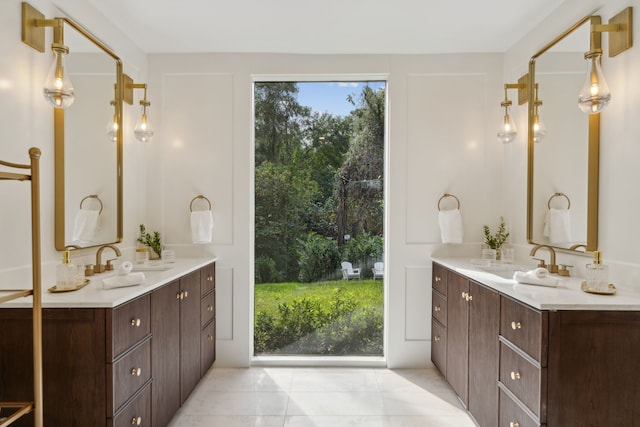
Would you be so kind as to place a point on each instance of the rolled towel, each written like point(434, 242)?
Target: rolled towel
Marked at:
point(125, 268)
point(85, 226)
point(538, 277)
point(201, 226)
point(131, 279)
point(450, 226)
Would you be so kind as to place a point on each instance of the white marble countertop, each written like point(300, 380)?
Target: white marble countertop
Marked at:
point(566, 296)
point(93, 295)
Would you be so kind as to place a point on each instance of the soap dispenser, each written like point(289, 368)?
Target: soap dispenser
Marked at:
point(597, 274)
point(65, 272)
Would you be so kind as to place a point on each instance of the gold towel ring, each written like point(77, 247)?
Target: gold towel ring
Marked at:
point(448, 195)
point(92, 196)
point(559, 195)
point(199, 196)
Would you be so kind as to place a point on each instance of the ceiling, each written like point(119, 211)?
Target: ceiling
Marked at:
point(326, 26)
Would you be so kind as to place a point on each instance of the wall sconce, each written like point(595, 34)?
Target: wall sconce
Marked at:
point(539, 129)
point(58, 89)
point(142, 130)
point(112, 126)
point(507, 132)
point(595, 95)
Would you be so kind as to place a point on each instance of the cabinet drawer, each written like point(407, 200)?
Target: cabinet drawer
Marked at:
point(439, 280)
point(207, 308)
point(137, 412)
point(207, 347)
point(439, 346)
point(525, 380)
point(525, 327)
point(129, 324)
point(439, 307)
point(130, 373)
point(511, 415)
point(208, 279)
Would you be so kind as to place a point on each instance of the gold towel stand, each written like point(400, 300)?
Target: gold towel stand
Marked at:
point(199, 196)
point(448, 195)
point(559, 195)
point(92, 196)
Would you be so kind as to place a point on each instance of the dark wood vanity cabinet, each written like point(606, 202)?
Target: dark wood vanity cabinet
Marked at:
point(134, 364)
point(526, 367)
point(471, 349)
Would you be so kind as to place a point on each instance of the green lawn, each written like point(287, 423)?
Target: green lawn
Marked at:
point(269, 295)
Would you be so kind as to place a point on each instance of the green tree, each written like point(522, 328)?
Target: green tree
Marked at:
point(359, 187)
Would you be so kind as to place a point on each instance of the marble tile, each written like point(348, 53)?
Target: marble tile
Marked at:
point(319, 397)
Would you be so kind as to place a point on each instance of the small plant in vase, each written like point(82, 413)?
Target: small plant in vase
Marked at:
point(496, 240)
point(150, 240)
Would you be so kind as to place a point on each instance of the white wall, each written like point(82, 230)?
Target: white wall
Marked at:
point(619, 200)
point(26, 120)
point(443, 115)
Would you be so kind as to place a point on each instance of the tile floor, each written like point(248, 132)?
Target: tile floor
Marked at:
point(322, 397)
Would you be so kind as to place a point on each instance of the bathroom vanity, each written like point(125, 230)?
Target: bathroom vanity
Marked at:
point(522, 355)
point(125, 356)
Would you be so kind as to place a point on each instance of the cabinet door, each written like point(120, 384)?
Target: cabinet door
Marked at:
point(189, 334)
point(458, 334)
point(208, 343)
point(484, 324)
point(165, 352)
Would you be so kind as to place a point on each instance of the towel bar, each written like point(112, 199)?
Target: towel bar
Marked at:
point(199, 196)
point(92, 196)
point(559, 195)
point(448, 195)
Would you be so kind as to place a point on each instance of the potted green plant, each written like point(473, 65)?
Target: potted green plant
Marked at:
point(496, 240)
point(150, 240)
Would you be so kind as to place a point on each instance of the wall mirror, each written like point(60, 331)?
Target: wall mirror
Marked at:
point(88, 163)
point(562, 185)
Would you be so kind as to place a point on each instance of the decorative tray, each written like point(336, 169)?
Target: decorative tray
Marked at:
point(611, 289)
point(54, 289)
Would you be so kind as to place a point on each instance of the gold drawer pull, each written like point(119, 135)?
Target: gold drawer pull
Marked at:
point(210, 278)
point(465, 296)
point(209, 308)
point(186, 294)
point(178, 296)
point(436, 338)
point(438, 278)
point(437, 308)
point(136, 322)
point(514, 424)
point(136, 421)
point(210, 338)
point(469, 297)
point(516, 325)
point(136, 372)
point(515, 375)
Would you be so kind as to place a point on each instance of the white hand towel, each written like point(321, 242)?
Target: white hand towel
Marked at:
point(131, 279)
point(125, 268)
point(450, 226)
point(201, 226)
point(538, 277)
point(559, 225)
point(86, 223)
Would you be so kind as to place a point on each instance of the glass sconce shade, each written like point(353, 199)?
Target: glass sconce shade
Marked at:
point(143, 130)
point(508, 131)
point(539, 130)
point(112, 130)
point(594, 95)
point(58, 89)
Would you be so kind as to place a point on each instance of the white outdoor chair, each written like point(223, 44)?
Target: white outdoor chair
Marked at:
point(348, 272)
point(378, 270)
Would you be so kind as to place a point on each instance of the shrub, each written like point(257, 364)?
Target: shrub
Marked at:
point(317, 258)
point(316, 326)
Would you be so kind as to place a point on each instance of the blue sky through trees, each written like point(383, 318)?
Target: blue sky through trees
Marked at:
point(331, 97)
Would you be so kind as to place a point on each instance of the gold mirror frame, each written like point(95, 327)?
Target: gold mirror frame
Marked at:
point(59, 150)
point(593, 147)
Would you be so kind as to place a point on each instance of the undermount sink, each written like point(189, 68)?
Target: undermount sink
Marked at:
point(504, 270)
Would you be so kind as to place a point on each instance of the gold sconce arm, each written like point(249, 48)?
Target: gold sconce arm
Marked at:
point(620, 28)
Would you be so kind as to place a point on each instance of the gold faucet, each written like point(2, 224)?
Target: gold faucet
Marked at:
point(552, 267)
point(99, 267)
